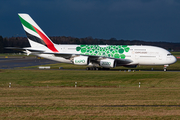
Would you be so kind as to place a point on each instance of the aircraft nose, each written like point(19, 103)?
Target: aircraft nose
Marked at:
point(173, 60)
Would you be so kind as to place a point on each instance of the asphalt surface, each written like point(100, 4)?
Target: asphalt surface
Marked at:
point(12, 63)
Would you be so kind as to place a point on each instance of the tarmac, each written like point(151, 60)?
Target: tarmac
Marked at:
point(13, 62)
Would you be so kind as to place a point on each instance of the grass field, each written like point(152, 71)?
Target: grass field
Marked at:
point(50, 94)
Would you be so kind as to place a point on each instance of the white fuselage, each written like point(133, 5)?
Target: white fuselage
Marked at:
point(139, 55)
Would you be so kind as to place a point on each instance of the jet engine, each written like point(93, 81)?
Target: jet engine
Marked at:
point(81, 60)
point(108, 63)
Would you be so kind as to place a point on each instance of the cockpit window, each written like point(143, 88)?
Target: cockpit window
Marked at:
point(169, 54)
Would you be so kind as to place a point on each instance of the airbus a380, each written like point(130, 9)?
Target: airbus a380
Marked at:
point(95, 56)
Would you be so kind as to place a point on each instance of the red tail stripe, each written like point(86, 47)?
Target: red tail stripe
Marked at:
point(49, 44)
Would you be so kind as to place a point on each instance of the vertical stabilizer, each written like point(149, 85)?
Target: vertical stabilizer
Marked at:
point(34, 33)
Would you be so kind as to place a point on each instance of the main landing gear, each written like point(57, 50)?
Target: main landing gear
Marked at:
point(97, 68)
point(92, 68)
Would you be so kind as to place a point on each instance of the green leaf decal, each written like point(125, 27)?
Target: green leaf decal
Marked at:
point(78, 48)
point(121, 51)
point(83, 50)
point(122, 56)
point(116, 55)
point(127, 49)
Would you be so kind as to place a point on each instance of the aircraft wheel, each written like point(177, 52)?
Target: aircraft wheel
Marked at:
point(97, 68)
point(87, 68)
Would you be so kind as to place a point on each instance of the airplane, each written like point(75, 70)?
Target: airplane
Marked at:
point(94, 56)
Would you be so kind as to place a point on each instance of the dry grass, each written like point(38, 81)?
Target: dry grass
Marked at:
point(89, 103)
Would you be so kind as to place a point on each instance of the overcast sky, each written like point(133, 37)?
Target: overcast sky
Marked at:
point(148, 20)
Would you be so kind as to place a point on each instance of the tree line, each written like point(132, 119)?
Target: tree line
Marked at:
point(23, 42)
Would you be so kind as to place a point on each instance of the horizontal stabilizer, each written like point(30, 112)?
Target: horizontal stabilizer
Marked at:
point(24, 49)
point(15, 48)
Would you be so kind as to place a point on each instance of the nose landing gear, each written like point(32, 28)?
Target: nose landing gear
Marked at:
point(165, 68)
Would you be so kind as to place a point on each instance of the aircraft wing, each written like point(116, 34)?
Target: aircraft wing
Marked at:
point(91, 57)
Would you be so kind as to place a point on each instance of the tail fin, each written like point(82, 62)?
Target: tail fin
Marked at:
point(34, 33)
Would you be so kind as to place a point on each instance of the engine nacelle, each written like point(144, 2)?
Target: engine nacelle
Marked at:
point(81, 60)
point(108, 63)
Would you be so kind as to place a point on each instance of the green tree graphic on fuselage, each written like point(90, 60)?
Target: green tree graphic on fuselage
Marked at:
point(114, 51)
